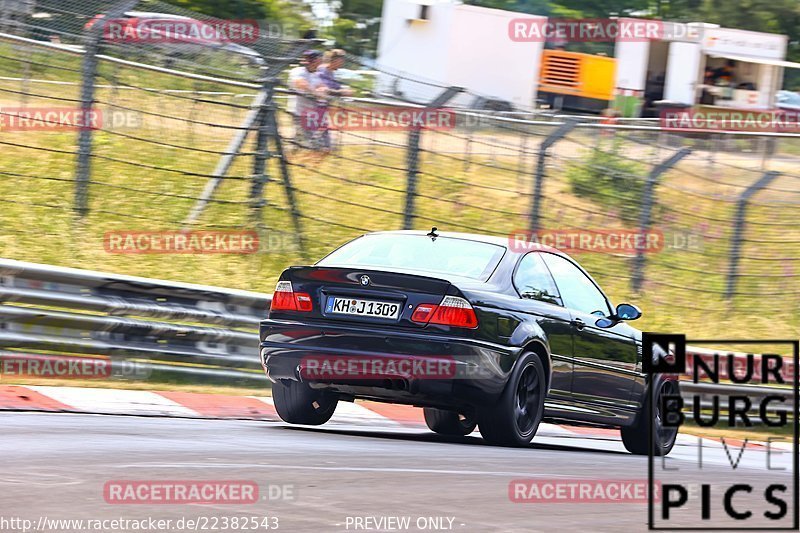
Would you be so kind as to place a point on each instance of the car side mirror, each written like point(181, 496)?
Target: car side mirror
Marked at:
point(628, 312)
point(623, 312)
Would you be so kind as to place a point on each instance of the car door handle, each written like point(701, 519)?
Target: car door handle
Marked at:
point(578, 323)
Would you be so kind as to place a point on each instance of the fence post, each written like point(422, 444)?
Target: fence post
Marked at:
point(648, 199)
point(523, 153)
point(88, 72)
point(567, 126)
point(413, 156)
point(738, 229)
point(468, 151)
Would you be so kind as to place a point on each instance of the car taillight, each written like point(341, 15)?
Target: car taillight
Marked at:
point(285, 299)
point(451, 311)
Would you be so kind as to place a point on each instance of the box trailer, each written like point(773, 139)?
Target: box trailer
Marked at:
point(424, 46)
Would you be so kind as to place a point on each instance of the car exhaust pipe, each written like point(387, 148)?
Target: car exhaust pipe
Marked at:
point(395, 384)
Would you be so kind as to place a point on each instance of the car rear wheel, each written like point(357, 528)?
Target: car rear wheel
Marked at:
point(449, 422)
point(513, 421)
point(297, 403)
point(636, 437)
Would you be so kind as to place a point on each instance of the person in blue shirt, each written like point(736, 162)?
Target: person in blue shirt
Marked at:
point(331, 62)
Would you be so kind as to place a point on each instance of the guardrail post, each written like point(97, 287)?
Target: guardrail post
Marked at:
point(558, 134)
point(645, 217)
point(738, 229)
point(413, 156)
point(88, 73)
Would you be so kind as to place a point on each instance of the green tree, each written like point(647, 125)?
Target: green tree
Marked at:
point(356, 26)
point(533, 7)
point(294, 14)
point(567, 8)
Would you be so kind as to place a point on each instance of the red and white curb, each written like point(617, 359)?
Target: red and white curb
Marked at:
point(361, 413)
point(196, 405)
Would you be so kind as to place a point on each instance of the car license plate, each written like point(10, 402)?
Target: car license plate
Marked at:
point(358, 307)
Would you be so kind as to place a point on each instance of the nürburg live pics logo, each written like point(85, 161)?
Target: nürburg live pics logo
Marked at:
point(734, 466)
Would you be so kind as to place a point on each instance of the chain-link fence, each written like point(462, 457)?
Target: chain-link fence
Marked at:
point(197, 136)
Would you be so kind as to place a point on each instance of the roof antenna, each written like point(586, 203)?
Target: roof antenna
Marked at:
point(432, 234)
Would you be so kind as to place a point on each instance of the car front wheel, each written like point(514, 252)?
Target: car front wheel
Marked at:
point(636, 438)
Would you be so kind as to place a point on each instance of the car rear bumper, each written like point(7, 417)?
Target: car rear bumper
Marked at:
point(416, 368)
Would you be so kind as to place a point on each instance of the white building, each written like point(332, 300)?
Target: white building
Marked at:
point(672, 69)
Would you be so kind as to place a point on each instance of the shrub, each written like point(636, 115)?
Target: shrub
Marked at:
point(611, 180)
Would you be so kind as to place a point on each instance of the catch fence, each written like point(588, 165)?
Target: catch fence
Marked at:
point(200, 139)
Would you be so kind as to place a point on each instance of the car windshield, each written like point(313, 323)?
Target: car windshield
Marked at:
point(444, 255)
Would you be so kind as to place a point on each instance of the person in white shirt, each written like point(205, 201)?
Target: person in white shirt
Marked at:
point(308, 87)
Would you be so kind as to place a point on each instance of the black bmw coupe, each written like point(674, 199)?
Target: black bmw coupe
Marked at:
point(475, 330)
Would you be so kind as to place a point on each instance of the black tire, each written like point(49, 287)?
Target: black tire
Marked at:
point(636, 438)
point(449, 422)
point(513, 421)
point(297, 403)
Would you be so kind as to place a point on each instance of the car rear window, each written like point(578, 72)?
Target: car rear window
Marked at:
point(444, 255)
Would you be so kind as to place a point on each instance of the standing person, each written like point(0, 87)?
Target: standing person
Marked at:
point(305, 82)
point(333, 61)
point(724, 75)
point(332, 88)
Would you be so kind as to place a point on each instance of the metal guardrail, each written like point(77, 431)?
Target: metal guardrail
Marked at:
point(205, 333)
point(163, 326)
point(706, 391)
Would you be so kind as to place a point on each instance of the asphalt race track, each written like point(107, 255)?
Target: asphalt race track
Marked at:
point(322, 479)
